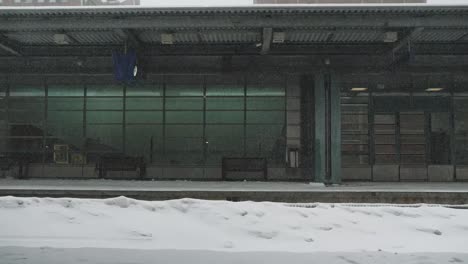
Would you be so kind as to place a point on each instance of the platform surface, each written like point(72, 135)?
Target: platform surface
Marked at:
point(441, 193)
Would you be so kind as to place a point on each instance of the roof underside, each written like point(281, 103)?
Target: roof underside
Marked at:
point(236, 30)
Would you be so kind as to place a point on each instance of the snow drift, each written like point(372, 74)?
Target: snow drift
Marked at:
point(189, 224)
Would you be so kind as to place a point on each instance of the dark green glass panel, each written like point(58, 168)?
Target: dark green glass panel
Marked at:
point(65, 90)
point(223, 103)
point(29, 104)
point(104, 90)
point(184, 103)
point(184, 117)
point(66, 133)
point(141, 140)
point(104, 138)
point(224, 117)
point(104, 116)
point(184, 131)
point(219, 148)
point(184, 151)
point(265, 117)
point(226, 131)
point(260, 131)
point(144, 103)
point(104, 103)
point(224, 85)
point(65, 103)
point(266, 103)
point(184, 85)
point(65, 116)
point(143, 117)
point(273, 149)
point(26, 116)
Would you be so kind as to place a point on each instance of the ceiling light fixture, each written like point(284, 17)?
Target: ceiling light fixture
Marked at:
point(62, 39)
point(167, 39)
point(390, 37)
point(278, 37)
point(358, 89)
point(435, 89)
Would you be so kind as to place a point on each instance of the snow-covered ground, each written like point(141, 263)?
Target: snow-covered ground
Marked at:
point(122, 230)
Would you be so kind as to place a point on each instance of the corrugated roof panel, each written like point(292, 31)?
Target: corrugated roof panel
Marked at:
point(89, 37)
point(211, 36)
point(149, 36)
point(442, 35)
point(298, 9)
point(222, 36)
point(32, 37)
point(464, 38)
point(186, 37)
point(357, 36)
point(307, 36)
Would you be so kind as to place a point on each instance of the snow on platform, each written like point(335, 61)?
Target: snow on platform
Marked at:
point(48, 230)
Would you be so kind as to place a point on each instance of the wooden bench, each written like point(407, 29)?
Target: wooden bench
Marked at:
point(120, 163)
point(252, 168)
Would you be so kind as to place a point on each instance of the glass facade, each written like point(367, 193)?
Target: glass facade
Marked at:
point(411, 129)
point(171, 120)
point(194, 121)
point(402, 123)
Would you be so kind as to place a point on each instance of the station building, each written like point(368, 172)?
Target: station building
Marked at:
point(318, 93)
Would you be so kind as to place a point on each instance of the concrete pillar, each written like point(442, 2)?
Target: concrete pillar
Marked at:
point(327, 149)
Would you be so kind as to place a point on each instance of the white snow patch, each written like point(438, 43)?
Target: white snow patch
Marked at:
point(189, 224)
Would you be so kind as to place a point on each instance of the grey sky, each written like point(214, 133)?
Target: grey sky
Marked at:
point(246, 2)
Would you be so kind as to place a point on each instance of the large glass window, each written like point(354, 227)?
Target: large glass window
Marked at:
point(461, 129)
point(144, 116)
point(412, 137)
point(265, 118)
point(225, 118)
point(385, 138)
point(172, 120)
point(104, 118)
point(355, 130)
point(26, 113)
point(184, 119)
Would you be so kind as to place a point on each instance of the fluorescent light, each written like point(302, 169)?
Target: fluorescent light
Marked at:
point(278, 37)
point(358, 89)
point(390, 37)
point(62, 39)
point(435, 89)
point(167, 39)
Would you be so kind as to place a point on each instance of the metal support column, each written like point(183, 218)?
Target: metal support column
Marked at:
point(371, 131)
point(327, 128)
point(453, 153)
point(320, 139)
point(335, 128)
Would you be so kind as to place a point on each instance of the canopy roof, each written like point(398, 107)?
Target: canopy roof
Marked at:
point(329, 29)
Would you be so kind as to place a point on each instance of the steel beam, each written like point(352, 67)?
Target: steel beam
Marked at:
point(5, 45)
point(129, 36)
point(250, 49)
point(234, 22)
point(403, 50)
point(404, 42)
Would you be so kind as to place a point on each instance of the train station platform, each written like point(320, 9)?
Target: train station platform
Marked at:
point(291, 192)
